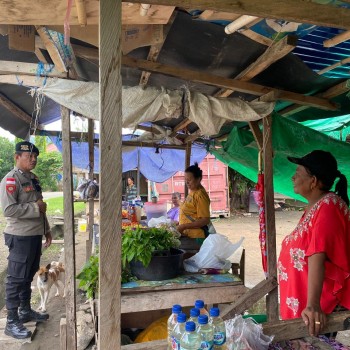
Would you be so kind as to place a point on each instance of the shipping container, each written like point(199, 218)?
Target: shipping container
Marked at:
point(215, 181)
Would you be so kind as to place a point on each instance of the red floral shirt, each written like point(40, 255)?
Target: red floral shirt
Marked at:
point(326, 228)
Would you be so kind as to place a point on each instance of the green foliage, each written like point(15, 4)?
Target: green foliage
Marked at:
point(89, 277)
point(7, 151)
point(55, 206)
point(139, 244)
point(48, 166)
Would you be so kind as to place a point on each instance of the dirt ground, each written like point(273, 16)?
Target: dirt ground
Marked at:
point(235, 227)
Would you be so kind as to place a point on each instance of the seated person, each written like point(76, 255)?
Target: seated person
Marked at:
point(173, 213)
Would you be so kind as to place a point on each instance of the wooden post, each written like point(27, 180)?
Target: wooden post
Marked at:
point(187, 162)
point(69, 238)
point(91, 178)
point(110, 175)
point(63, 334)
point(138, 171)
point(272, 297)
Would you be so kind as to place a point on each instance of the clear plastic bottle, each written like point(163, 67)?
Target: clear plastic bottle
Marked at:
point(190, 339)
point(178, 331)
point(199, 304)
point(194, 313)
point(219, 329)
point(172, 321)
point(205, 332)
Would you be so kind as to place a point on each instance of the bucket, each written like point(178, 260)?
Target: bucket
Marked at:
point(82, 223)
point(155, 210)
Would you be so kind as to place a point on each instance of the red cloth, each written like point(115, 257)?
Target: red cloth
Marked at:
point(326, 228)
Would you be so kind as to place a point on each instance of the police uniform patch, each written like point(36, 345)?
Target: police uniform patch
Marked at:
point(24, 148)
point(10, 185)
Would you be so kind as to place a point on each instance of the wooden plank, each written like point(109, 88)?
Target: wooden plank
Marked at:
point(187, 163)
point(273, 53)
point(152, 145)
point(155, 50)
point(272, 308)
point(258, 136)
point(69, 236)
point(180, 126)
point(51, 49)
point(91, 177)
point(295, 328)
point(257, 37)
point(152, 345)
point(335, 65)
point(40, 55)
point(337, 39)
point(290, 10)
point(249, 298)
point(165, 299)
point(63, 334)
point(242, 86)
point(12, 67)
point(81, 10)
point(210, 15)
point(110, 186)
point(21, 38)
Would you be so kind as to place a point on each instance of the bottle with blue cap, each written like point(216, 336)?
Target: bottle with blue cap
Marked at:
point(194, 313)
point(172, 321)
point(219, 329)
point(190, 339)
point(205, 332)
point(199, 304)
point(178, 331)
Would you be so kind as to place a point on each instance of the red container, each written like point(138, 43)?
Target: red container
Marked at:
point(215, 181)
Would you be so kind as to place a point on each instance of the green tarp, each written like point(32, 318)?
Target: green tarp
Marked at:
point(240, 152)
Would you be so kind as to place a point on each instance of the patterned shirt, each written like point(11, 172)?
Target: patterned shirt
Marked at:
point(325, 228)
point(130, 193)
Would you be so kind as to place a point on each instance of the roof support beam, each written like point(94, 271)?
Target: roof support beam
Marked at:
point(337, 39)
point(271, 55)
point(80, 5)
point(289, 10)
point(227, 83)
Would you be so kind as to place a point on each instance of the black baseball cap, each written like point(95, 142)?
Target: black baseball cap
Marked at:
point(320, 163)
point(26, 146)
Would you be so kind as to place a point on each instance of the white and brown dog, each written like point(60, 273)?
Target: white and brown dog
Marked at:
point(47, 276)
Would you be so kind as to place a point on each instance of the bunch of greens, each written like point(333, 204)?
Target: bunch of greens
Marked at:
point(140, 244)
point(89, 277)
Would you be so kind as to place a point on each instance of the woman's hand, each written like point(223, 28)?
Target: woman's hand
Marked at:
point(181, 228)
point(315, 319)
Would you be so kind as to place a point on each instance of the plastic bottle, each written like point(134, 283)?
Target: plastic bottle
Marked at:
point(194, 313)
point(172, 321)
point(190, 339)
point(219, 329)
point(178, 331)
point(199, 304)
point(205, 332)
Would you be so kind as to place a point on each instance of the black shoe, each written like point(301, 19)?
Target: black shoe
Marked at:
point(27, 314)
point(14, 327)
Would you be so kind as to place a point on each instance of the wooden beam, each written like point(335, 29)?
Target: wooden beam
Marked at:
point(272, 308)
point(110, 186)
point(273, 53)
point(51, 49)
point(291, 10)
point(155, 50)
point(249, 298)
point(152, 345)
point(91, 178)
point(332, 92)
point(11, 67)
point(187, 163)
point(335, 65)
point(40, 55)
point(258, 136)
point(152, 145)
point(81, 10)
point(242, 86)
point(180, 126)
point(257, 37)
point(337, 39)
point(69, 236)
point(295, 328)
point(17, 111)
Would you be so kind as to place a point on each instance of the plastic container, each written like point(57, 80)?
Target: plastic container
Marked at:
point(178, 331)
point(205, 332)
point(172, 321)
point(82, 223)
point(219, 329)
point(199, 304)
point(155, 210)
point(190, 339)
point(194, 313)
point(258, 318)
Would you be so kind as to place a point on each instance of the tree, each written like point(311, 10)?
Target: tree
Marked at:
point(7, 151)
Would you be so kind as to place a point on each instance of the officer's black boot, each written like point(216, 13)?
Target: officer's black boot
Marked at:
point(27, 314)
point(14, 327)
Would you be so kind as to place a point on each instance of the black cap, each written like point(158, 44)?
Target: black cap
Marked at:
point(26, 146)
point(320, 163)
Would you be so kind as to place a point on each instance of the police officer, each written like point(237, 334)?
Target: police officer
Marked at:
point(24, 209)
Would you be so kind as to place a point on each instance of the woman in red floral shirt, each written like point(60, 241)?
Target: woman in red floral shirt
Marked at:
point(314, 263)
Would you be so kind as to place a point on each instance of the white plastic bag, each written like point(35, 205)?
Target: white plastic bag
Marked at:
point(154, 222)
point(213, 253)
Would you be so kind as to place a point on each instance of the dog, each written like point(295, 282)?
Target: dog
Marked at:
point(47, 276)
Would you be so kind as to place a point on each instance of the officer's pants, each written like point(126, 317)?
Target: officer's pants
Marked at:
point(23, 263)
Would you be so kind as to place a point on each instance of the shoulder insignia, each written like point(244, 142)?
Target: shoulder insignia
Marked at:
point(10, 185)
